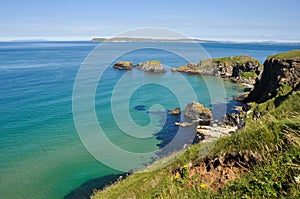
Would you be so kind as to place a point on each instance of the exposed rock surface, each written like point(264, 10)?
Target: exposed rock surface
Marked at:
point(153, 66)
point(149, 66)
point(215, 131)
point(281, 75)
point(176, 111)
point(123, 65)
point(241, 69)
point(197, 111)
point(241, 96)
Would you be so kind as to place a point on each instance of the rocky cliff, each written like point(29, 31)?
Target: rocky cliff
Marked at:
point(281, 75)
point(242, 69)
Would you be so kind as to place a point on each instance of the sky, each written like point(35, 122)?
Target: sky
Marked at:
point(234, 20)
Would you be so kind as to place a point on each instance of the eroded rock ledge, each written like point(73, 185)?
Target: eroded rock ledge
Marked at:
point(241, 69)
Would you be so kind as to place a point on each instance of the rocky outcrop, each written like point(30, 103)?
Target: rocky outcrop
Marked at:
point(280, 76)
point(234, 120)
point(197, 111)
point(123, 65)
point(241, 69)
point(176, 111)
point(189, 68)
point(153, 66)
point(149, 66)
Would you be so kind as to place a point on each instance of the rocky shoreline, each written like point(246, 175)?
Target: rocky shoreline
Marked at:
point(240, 69)
point(280, 78)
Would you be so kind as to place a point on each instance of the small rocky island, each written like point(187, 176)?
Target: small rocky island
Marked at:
point(241, 69)
point(123, 65)
point(149, 66)
point(198, 112)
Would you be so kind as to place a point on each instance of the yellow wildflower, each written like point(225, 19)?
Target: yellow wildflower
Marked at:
point(177, 176)
point(185, 166)
point(203, 186)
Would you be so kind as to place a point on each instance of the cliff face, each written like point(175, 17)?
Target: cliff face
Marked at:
point(281, 75)
point(242, 69)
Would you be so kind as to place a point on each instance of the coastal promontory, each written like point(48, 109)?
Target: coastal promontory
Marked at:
point(241, 69)
point(281, 75)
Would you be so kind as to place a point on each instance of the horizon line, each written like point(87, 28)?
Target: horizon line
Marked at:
point(38, 39)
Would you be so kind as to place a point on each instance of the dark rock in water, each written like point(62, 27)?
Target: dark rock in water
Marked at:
point(241, 97)
point(140, 108)
point(123, 65)
point(176, 111)
point(197, 111)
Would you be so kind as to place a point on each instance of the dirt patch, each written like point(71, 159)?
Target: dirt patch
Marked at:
point(215, 172)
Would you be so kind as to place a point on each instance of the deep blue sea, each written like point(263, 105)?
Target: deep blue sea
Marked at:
point(42, 155)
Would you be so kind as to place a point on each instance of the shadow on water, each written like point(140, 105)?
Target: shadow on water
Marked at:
point(87, 189)
point(166, 135)
point(168, 131)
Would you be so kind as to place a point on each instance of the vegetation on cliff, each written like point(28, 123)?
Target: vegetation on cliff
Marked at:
point(260, 161)
point(294, 54)
point(234, 60)
point(242, 69)
point(280, 76)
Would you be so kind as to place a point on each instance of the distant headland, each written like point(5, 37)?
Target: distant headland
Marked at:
point(140, 39)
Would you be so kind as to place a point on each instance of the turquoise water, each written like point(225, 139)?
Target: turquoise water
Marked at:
point(42, 155)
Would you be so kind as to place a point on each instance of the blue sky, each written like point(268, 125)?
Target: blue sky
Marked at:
point(206, 19)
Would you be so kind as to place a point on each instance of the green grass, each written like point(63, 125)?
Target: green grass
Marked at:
point(275, 137)
point(228, 61)
point(248, 75)
point(294, 54)
point(153, 62)
point(242, 59)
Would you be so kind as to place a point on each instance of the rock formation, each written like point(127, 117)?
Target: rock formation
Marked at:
point(242, 69)
point(153, 66)
point(280, 76)
point(123, 65)
point(176, 111)
point(149, 66)
point(197, 111)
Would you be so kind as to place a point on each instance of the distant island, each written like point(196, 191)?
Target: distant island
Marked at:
point(139, 39)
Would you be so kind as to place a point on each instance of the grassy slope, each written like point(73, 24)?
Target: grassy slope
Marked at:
point(275, 136)
point(242, 59)
point(228, 61)
point(294, 54)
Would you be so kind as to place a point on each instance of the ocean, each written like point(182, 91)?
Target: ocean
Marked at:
point(43, 155)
